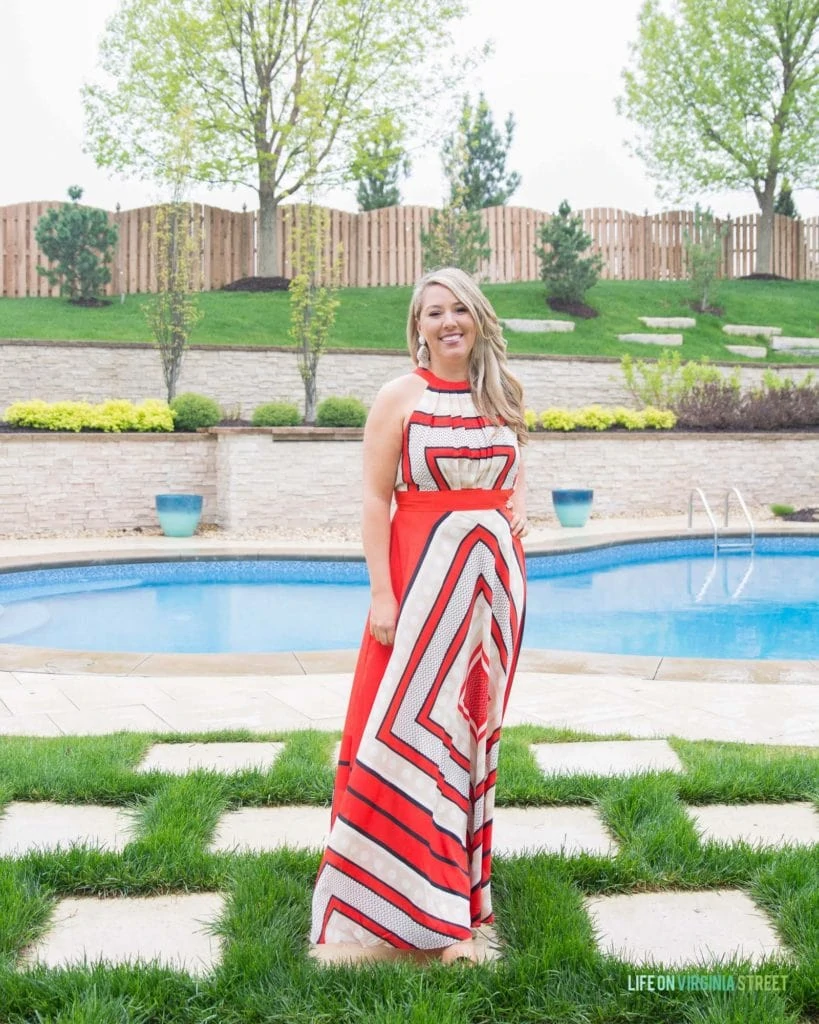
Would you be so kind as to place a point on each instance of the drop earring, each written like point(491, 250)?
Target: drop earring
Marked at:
point(422, 354)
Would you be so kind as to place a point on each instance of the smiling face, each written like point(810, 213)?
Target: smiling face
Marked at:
point(450, 332)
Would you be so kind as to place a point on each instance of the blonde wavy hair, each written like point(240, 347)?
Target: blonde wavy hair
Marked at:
point(496, 392)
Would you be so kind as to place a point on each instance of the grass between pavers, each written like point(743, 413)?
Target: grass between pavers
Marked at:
point(551, 970)
point(375, 318)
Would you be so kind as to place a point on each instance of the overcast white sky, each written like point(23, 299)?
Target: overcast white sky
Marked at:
point(556, 66)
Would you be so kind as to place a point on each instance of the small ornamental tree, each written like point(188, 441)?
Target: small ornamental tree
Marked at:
point(378, 164)
point(80, 241)
point(456, 236)
point(565, 271)
point(703, 255)
point(173, 311)
point(312, 304)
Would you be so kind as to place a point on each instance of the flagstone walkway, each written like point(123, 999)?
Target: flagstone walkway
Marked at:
point(647, 699)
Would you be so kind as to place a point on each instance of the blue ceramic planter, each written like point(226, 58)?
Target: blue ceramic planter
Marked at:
point(179, 514)
point(572, 507)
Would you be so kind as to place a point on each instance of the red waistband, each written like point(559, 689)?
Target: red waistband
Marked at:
point(451, 501)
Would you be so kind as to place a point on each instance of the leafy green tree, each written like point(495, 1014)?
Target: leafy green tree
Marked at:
point(313, 298)
point(80, 241)
point(173, 310)
point(725, 95)
point(565, 271)
point(379, 162)
point(280, 90)
point(704, 247)
point(474, 158)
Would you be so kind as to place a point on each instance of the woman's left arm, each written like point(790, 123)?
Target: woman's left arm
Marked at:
point(517, 504)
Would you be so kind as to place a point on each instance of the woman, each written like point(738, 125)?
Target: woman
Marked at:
point(407, 866)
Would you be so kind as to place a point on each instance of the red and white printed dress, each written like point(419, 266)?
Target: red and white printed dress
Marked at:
point(408, 860)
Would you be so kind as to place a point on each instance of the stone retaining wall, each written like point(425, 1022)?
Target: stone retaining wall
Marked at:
point(242, 378)
point(254, 479)
point(64, 483)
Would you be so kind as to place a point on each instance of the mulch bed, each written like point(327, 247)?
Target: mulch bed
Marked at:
point(763, 277)
point(710, 310)
point(578, 309)
point(803, 515)
point(258, 284)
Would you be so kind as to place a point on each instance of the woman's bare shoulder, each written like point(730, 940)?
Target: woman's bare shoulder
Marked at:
point(406, 384)
point(397, 399)
point(406, 388)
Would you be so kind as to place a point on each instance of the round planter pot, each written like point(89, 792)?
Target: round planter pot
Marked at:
point(572, 506)
point(179, 514)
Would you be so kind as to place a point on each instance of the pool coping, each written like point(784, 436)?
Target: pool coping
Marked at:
point(22, 658)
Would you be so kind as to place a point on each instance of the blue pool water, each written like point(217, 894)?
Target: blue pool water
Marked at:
point(663, 598)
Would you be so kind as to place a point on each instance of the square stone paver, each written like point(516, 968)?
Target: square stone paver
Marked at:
point(181, 758)
point(44, 826)
point(606, 757)
point(794, 823)
point(174, 931)
point(682, 928)
point(255, 829)
point(567, 830)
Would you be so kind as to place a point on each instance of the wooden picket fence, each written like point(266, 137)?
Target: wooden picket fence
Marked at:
point(383, 247)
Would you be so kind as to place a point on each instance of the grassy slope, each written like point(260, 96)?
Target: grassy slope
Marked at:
point(375, 317)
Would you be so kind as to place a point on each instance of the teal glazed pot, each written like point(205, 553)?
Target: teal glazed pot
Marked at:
point(572, 507)
point(179, 514)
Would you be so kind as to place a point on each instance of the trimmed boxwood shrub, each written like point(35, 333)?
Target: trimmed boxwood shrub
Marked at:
point(276, 414)
point(192, 411)
point(341, 412)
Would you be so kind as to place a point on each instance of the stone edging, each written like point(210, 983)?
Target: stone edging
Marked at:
point(392, 352)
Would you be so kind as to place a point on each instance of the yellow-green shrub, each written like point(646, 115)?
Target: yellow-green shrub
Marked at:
point(530, 419)
point(557, 419)
point(660, 419)
point(631, 419)
point(112, 416)
point(596, 417)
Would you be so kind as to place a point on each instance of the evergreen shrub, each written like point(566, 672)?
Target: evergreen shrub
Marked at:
point(192, 411)
point(341, 412)
point(276, 414)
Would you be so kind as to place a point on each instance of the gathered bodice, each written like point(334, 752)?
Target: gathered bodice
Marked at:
point(447, 445)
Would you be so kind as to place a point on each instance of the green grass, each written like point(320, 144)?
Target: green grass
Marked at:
point(551, 971)
point(375, 318)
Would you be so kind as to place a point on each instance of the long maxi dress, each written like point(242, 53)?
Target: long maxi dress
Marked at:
point(408, 860)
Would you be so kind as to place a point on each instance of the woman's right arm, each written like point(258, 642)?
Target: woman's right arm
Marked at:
point(382, 450)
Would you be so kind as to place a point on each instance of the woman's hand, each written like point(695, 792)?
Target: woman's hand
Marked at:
point(518, 523)
point(383, 617)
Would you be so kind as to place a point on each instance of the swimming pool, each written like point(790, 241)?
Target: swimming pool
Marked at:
point(669, 598)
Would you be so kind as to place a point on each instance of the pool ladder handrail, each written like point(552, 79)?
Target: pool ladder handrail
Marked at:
point(721, 542)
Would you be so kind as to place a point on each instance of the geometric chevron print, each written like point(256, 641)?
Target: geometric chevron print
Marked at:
point(409, 857)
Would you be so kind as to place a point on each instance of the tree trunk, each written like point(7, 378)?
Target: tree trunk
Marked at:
point(764, 242)
point(268, 265)
point(310, 399)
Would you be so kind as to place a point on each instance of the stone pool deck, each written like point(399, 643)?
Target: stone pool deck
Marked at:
point(50, 693)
